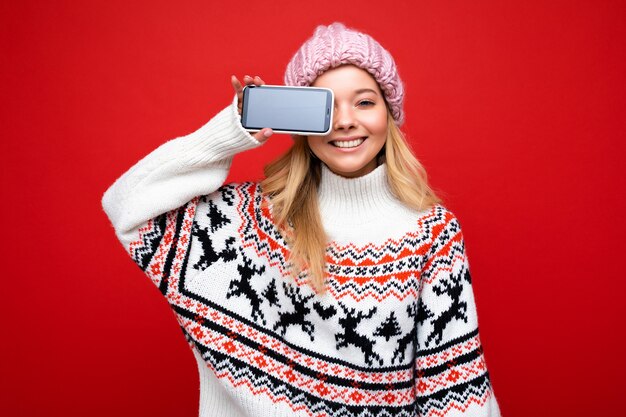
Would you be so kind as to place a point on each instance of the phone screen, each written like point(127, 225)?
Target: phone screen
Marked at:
point(290, 109)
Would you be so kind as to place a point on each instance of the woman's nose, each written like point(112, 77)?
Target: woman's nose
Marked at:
point(344, 119)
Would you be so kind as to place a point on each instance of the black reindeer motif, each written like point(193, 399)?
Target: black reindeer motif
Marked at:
point(406, 340)
point(453, 287)
point(243, 286)
point(324, 312)
point(297, 317)
point(350, 336)
point(216, 217)
point(209, 255)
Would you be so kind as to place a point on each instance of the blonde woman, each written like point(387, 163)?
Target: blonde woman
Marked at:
point(337, 286)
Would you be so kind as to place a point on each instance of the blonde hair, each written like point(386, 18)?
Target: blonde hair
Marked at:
point(291, 184)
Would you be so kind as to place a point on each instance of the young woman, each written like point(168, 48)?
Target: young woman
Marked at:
point(339, 285)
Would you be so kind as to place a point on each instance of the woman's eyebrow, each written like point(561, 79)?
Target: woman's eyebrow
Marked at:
point(365, 90)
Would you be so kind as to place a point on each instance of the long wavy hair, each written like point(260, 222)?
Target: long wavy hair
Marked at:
point(291, 183)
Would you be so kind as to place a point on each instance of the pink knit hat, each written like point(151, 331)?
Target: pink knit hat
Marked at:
point(335, 45)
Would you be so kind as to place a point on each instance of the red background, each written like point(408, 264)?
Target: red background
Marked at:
point(517, 111)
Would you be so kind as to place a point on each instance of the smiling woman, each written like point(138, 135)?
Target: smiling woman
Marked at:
point(359, 128)
point(339, 285)
point(364, 135)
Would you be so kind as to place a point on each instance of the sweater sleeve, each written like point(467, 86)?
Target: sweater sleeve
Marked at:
point(451, 373)
point(159, 189)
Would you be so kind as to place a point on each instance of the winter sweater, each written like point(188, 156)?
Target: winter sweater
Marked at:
point(394, 334)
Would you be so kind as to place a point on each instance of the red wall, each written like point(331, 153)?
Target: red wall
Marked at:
point(516, 110)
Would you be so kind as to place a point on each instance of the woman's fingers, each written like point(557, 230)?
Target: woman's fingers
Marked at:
point(256, 80)
point(238, 90)
point(265, 133)
point(236, 84)
point(248, 80)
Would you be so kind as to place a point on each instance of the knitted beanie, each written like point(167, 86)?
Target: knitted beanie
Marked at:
point(335, 45)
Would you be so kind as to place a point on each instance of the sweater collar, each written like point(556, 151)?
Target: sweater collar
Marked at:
point(355, 200)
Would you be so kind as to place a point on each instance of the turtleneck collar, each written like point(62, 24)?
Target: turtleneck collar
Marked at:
point(355, 200)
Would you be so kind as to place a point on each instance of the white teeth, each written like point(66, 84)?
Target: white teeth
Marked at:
point(348, 143)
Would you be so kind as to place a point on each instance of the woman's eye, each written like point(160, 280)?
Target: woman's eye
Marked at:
point(366, 103)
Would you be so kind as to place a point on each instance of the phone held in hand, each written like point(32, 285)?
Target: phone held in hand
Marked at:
point(285, 109)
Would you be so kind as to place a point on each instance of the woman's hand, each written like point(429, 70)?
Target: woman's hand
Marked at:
point(265, 133)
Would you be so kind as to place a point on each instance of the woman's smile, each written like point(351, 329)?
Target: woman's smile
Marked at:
point(348, 144)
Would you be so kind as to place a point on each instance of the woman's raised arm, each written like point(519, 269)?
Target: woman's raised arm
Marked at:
point(179, 170)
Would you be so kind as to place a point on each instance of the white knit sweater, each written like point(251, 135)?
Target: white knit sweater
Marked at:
point(395, 334)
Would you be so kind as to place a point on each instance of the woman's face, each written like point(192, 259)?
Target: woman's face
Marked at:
point(359, 128)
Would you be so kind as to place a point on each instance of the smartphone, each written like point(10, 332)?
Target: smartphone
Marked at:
point(285, 109)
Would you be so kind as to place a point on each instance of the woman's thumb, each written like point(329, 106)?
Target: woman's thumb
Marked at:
point(263, 134)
